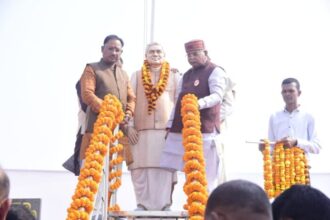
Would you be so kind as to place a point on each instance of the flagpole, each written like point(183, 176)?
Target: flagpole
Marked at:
point(149, 22)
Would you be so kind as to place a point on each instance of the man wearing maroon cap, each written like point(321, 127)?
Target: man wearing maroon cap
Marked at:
point(209, 83)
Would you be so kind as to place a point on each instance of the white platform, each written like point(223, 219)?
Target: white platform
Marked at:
point(131, 215)
point(55, 188)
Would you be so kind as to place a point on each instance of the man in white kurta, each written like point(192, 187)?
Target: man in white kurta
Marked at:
point(227, 108)
point(153, 185)
point(217, 82)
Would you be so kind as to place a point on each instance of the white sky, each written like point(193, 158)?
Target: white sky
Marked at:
point(45, 44)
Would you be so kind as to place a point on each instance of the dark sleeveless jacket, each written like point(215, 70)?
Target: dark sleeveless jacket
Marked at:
point(195, 81)
point(107, 82)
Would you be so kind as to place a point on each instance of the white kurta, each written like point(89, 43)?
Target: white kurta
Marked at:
point(146, 173)
point(227, 108)
point(172, 155)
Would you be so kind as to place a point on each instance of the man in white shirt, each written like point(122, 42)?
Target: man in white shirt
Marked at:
point(293, 126)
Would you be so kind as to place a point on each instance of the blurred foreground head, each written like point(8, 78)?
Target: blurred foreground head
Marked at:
point(301, 202)
point(237, 200)
point(4, 194)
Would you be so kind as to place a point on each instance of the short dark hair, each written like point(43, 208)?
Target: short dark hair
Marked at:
point(301, 202)
point(291, 80)
point(113, 37)
point(239, 194)
point(4, 185)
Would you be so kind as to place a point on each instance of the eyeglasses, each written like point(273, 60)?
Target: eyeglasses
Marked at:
point(195, 53)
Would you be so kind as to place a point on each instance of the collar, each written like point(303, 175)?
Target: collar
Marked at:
point(295, 110)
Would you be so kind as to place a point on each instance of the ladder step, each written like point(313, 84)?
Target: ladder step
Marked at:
point(148, 214)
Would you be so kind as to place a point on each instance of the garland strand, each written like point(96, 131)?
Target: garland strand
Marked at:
point(300, 165)
point(110, 116)
point(152, 91)
point(115, 172)
point(268, 173)
point(195, 186)
point(287, 166)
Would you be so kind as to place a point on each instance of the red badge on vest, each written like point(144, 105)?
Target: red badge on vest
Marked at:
point(196, 83)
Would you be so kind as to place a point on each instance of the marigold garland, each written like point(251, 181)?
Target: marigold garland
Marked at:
point(110, 116)
point(114, 172)
point(289, 172)
point(268, 174)
point(307, 167)
point(196, 176)
point(283, 168)
point(300, 162)
point(195, 186)
point(152, 91)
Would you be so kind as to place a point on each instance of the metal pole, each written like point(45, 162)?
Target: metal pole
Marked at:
point(149, 22)
point(145, 33)
point(152, 21)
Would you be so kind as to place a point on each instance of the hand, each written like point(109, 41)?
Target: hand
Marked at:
point(123, 127)
point(261, 145)
point(289, 142)
point(133, 135)
point(125, 120)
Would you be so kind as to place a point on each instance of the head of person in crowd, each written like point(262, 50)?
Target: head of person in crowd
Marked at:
point(290, 93)
point(301, 202)
point(236, 200)
point(4, 194)
point(196, 53)
point(155, 54)
point(19, 212)
point(112, 49)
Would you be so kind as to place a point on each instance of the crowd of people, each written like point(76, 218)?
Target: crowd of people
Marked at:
point(151, 100)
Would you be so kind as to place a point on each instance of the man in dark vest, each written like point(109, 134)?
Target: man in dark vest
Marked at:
point(73, 163)
point(102, 78)
point(208, 82)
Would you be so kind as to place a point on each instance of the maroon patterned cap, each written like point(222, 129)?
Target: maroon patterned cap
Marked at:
point(194, 45)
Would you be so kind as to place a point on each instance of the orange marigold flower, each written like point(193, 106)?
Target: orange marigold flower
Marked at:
point(90, 176)
point(152, 91)
point(194, 167)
